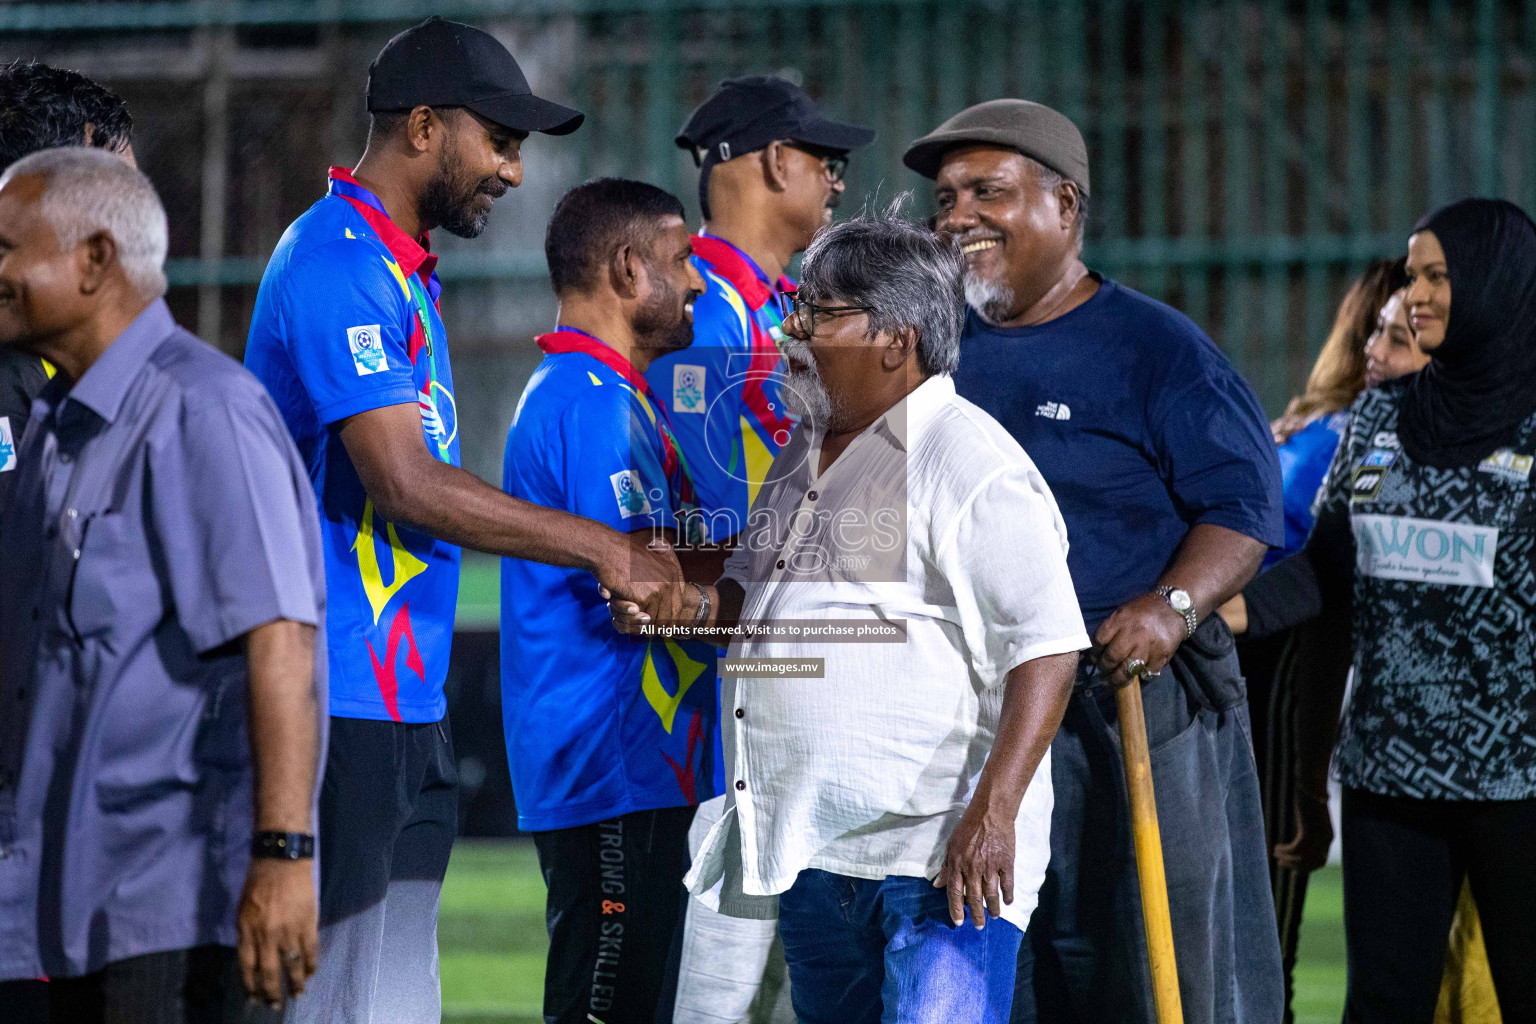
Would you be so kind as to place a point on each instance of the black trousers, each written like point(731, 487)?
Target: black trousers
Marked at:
point(388, 816)
point(389, 810)
point(1404, 862)
point(612, 910)
point(1269, 708)
point(183, 986)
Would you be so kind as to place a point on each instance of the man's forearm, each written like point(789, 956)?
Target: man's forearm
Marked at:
point(702, 565)
point(1212, 564)
point(284, 724)
point(727, 597)
point(1034, 699)
point(457, 506)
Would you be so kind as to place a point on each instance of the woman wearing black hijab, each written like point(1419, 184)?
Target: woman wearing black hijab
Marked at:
point(1425, 542)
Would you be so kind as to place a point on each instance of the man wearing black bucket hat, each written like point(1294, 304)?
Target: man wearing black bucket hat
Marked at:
point(771, 172)
point(347, 337)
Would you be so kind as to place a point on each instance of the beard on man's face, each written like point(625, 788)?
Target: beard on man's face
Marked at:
point(457, 202)
point(991, 299)
point(804, 392)
point(666, 320)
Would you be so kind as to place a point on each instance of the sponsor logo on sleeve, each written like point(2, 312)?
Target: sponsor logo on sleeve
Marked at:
point(630, 493)
point(687, 388)
point(1371, 472)
point(1367, 484)
point(7, 446)
point(1385, 439)
point(367, 345)
point(1424, 550)
point(1506, 465)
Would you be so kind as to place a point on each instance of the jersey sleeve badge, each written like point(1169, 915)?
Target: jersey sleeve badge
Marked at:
point(367, 345)
point(630, 493)
point(688, 388)
point(7, 446)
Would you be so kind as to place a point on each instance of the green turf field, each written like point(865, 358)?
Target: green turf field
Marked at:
point(492, 939)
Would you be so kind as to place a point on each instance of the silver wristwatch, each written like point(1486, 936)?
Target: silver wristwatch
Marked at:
point(1181, 602)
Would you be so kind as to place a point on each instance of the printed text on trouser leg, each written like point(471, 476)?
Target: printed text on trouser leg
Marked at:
point(610, 939)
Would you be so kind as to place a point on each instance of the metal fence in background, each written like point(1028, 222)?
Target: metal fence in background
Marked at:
point(1247, 156)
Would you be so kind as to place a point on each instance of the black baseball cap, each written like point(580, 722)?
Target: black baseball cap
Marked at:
point(445, 64)
point(745, 114)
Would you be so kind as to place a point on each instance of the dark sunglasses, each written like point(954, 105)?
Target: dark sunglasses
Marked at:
point(834, 165)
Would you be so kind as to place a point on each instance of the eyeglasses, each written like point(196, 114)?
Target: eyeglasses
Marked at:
point(807, 312)
point(833, 165)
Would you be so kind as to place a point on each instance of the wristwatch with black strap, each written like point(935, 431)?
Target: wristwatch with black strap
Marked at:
point(1181, 602)
point(282, 846)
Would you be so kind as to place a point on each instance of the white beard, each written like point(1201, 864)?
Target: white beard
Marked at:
point(807, 398)
point(804, 392)
point(992, 301)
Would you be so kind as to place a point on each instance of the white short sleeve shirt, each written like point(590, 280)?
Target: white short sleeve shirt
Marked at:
point(933, 516)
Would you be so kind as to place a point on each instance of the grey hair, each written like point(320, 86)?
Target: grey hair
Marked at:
point(909, 276)
point(90, 191)
point(1049, 180)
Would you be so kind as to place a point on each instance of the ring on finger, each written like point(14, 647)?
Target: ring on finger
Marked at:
point(1135, 666)
point(291, 956)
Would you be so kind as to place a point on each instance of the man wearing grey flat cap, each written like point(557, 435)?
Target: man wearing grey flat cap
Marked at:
point(1161, 461)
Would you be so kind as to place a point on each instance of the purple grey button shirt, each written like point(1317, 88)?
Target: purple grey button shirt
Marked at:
point(160, 513)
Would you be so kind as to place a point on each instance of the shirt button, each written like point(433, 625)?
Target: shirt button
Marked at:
point(781, 563)
point(813, 495)
point(741, 713)
point(740, 784)
point(77, 554)
point(73, 513)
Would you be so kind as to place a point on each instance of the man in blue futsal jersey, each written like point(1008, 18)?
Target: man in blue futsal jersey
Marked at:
point(1161, 461)
point(42, 107)
point(608, 739)
point(348, 338)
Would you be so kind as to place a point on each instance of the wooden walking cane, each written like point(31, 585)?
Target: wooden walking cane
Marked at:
point(1149, 853)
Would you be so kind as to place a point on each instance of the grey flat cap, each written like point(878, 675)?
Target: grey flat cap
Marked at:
point(1037, 131)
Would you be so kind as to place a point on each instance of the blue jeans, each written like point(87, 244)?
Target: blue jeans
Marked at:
point(1084, 958)
point(862, 952)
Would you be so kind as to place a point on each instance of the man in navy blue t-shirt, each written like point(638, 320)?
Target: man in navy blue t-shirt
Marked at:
point(1161, 461)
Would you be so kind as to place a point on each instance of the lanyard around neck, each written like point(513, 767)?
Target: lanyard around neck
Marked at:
point(571, 339)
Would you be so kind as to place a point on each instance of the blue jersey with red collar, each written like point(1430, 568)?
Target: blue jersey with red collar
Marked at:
point(346, 321)
point(725, 392)
point(597, 724)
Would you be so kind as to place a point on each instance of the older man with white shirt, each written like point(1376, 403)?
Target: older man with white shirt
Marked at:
point(911, 781)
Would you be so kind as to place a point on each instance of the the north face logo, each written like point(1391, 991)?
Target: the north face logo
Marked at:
point(1054, 411)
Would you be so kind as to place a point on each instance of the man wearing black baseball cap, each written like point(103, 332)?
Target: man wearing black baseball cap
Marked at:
point(771, 168)
point(348, 339)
